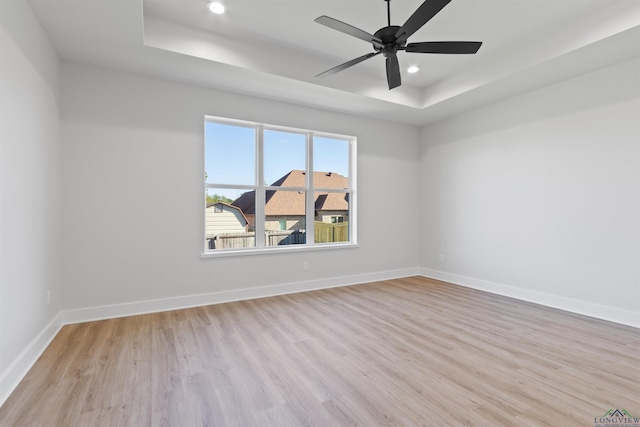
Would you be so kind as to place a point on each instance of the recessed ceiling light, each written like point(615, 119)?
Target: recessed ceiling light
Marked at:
point(216, 7)
point(413, 69)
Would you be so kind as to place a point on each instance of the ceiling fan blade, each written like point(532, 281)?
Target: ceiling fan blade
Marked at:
point(393, 72)
point(444, 47)
point(421, 16)
point(347, 64)
point(349, 29)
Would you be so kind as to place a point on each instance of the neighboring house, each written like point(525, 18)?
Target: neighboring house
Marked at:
point(285, 210)
point(332, 208)
point(223, 218)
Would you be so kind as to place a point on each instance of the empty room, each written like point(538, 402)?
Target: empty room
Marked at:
point(319, 213)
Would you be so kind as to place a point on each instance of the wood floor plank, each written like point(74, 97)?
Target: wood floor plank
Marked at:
point(404, 352)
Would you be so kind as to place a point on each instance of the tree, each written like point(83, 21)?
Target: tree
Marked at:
point(215, 198)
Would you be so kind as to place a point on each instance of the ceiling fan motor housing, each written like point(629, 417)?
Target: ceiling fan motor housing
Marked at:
point(388, 37)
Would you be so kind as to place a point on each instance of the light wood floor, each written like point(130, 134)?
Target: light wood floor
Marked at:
point(407, 352)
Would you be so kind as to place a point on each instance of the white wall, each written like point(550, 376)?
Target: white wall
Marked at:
point(133, 156)
point(30, 209)
point(538, 196)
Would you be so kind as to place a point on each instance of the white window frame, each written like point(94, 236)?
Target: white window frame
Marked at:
point(261, 188)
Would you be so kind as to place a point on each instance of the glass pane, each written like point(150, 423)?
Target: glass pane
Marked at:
point(332, 217)
point(285, 218)
point(284, 159)
point(230, 154)
point(330, 163)
point(227, 224)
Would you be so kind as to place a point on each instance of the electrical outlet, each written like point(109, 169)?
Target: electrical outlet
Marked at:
point(48, 297)
point(305, 265)
point(441, 258)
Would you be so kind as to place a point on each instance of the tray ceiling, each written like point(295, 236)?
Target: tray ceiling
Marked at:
point(274, 49)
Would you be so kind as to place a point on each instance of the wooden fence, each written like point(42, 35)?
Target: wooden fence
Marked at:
point(286, 237)
point(248, 240)
point(232, 241)
point(324, 233)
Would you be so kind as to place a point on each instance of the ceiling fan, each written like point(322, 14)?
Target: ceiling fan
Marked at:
point(392, 38)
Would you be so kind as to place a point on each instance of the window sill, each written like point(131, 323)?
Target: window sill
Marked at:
point(220, 253)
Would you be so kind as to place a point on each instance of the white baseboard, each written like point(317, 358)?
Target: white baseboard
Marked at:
point(603, 312)
point(151, 306)
point(12, 376)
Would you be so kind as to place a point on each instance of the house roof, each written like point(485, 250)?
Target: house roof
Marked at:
point(332, 202)
point(293, 202)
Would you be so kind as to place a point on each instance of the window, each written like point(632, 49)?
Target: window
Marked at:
point(281, 187)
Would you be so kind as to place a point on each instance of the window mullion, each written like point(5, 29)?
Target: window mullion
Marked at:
point(259, 219)
point(310, 202)
point(353, 236)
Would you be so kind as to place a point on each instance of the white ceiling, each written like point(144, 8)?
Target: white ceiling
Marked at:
point(273, 49)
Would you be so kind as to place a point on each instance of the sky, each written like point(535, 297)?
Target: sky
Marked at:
point(230, 156)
